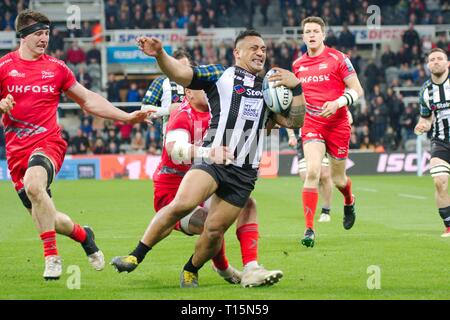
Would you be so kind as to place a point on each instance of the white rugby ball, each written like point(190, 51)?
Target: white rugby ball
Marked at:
point(278, 99)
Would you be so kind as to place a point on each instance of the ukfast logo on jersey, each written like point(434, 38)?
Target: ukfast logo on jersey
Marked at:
point(47, 74)
point(320, 78)
point(33, 89)
point(16, 74)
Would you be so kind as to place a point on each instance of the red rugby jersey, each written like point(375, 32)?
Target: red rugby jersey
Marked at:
point(322, 78)
point(36, 87)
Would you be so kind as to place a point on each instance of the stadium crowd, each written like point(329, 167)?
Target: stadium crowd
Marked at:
point(382, 122)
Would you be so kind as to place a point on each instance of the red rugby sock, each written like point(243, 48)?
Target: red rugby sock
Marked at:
point(310, 199)
point(248, 238)
point(49, 241)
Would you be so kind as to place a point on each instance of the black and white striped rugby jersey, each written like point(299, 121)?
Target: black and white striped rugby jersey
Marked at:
point(435, 98)
point(238, 112)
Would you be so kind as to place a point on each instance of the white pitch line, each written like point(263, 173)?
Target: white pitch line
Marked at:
point(404, 195)
point(368, 189)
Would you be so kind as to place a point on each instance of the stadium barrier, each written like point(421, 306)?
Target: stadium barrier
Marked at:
point(142, 166)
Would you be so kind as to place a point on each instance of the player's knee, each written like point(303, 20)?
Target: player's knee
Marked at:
point(214, 233)
point(34, 189)
point(313, 174)
point(180, 207)
point(325, 175)
point(339, 180)
point(249, 213)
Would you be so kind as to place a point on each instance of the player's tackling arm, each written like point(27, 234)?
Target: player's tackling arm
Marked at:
point(171, 67)
point(180, 150)
point(97, 105)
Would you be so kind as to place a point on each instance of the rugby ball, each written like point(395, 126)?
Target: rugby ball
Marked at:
point(278, 99)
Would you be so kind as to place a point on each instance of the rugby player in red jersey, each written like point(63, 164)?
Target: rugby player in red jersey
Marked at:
point(330, 85)
point(188, 125)
point(31, 84)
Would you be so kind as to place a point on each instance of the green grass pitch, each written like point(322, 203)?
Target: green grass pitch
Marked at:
point(397, 229)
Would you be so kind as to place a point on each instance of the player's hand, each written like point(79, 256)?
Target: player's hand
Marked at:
point(150, 46)
point(421, 128)
point(292, 141)
point(139, 116)
point(329, 108)
point(221, 155)
point(7, 104)
point(285, 78)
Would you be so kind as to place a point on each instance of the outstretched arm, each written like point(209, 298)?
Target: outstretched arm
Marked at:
point(99, 106)
point(170, 66)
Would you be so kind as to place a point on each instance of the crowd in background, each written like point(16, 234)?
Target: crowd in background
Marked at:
point(382, 122)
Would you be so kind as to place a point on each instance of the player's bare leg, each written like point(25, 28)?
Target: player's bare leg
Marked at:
point(220, 217)
point(84, 235)
point(326, 192)
point(344, 185)
point(314, 154)
point(195, 188)
point(43, 213)
point(442, 199)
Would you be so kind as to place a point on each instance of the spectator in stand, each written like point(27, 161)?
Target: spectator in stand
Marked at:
point(354, 141)
point(346, 39)
point(75, 54)
point(366, 145)
point(138, 142)
point(83, 77)
point(379, 119)
point(192, 29)
point(112, 22)
point(390, 139)
point(113, 148)
point(86, 128)
point(93, 53)
point(133, 95)
point(86, 29)
point(125, 130)
point(373, 75)
point(112, 138)
point(64, 134)
point(411, 37)
point(153, 136)
point(97, 33)
point(388, 59)
point(264, 6)
point(331, 40)
point(113, 88)
point(57, 42)
point(99, 147)
point(79, 143)
point(95, 72)
point(8, 21)
point(408, 121)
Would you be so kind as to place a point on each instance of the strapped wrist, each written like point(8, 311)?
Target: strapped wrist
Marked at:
point(297, 90)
